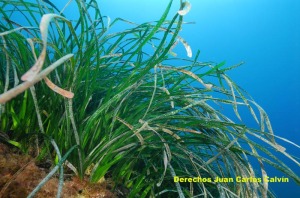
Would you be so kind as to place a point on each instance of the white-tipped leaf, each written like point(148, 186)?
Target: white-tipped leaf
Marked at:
point(14, 30)
point(36, 68)
point(186, 46)
point(187, 7)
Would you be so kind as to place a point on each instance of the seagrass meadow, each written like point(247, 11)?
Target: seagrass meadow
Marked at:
point(122, 105)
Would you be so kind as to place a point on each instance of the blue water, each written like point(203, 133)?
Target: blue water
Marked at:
point(264, 34)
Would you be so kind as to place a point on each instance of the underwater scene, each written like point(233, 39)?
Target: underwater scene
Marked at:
point(160, 98)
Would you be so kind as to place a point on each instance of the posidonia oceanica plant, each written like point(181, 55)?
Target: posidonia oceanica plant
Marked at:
point(123, 104)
